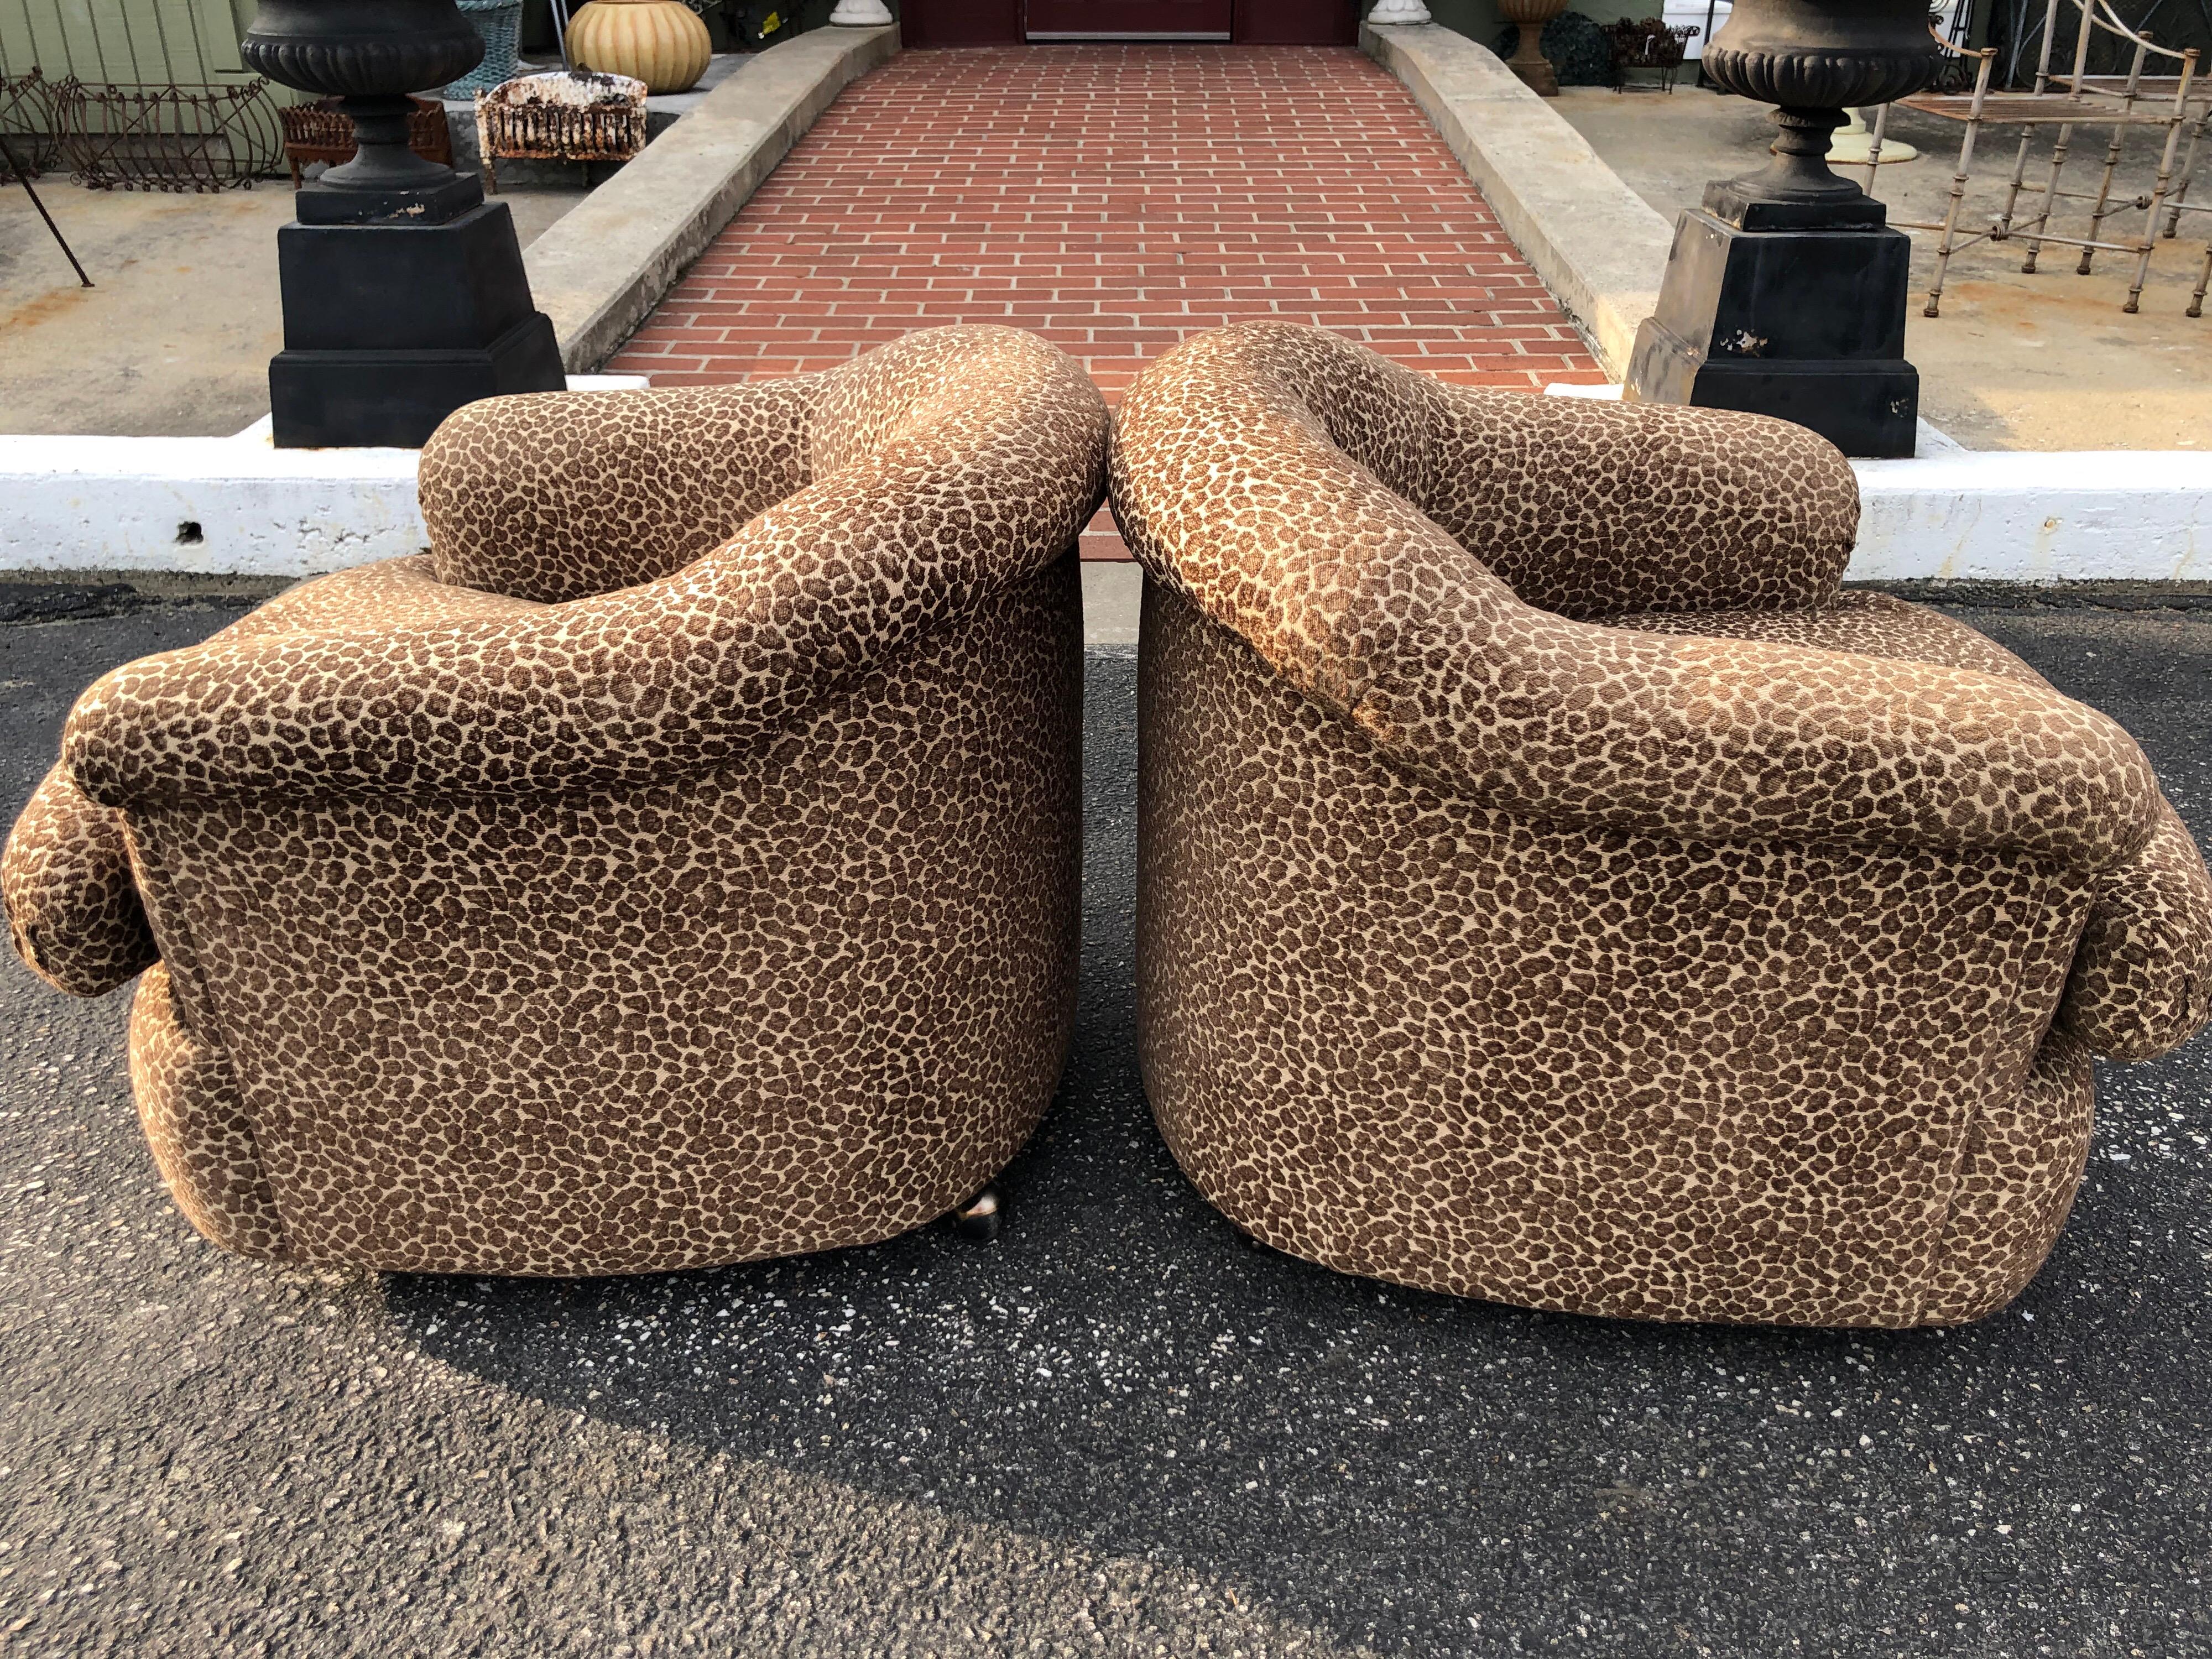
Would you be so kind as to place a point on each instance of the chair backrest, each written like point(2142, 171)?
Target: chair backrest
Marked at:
point(1368, 533)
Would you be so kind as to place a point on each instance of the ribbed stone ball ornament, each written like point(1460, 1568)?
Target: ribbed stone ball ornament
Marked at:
point(1812, 58)
point(659, 42)
point(372, 54)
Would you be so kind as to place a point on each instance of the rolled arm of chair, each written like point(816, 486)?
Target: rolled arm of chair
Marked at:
point(2142, 983)
point(558, 496)
point(1708, 739)
point(1582, 507)
point(1591, 509)
point(73, 908)
point(652, 681)
point(1364, 604)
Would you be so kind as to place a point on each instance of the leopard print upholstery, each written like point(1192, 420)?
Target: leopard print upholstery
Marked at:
point(677, 865)
point(2142, 977)
point(72, 909)
point(1659, 933)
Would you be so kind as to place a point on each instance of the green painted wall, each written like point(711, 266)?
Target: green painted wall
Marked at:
point(188, 41)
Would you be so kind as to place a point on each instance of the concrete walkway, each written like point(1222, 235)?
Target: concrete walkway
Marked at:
point(1114, 199)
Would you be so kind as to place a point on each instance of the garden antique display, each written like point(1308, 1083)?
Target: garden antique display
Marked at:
point(1785, 294)
point(404, 290)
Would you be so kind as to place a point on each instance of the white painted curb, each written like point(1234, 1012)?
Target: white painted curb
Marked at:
point(2036, 516)
point(239, 506)
point(1952, 513)
point(229, 507)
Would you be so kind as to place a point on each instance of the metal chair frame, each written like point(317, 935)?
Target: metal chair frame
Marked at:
point(2066, 101)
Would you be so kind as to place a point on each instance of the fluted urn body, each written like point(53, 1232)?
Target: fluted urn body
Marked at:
point(1813, 58)
point(371, 54)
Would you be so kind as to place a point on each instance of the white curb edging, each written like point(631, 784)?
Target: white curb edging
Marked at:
point(122, 505)
point(2036, 516)
point(229, 507)
point(2042, 516)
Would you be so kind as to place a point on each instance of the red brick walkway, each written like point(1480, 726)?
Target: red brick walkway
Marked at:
point(1114, 199)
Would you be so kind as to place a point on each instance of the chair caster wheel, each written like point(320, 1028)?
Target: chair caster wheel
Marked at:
point(979, 1217)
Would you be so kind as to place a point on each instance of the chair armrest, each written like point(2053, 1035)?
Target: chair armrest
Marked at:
point(1363, 603)
point(2141, 982)
point(557, 495)
point(72, 909)
point(976, 492)
point(1583, 507)
point(1592, 509)
point(1733, 740)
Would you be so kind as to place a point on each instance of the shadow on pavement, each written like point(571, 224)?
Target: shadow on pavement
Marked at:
point(1120, 1374)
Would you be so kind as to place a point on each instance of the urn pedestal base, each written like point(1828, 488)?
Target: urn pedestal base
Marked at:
point(390, 327)
point(1529, 64)
point(1805, 324)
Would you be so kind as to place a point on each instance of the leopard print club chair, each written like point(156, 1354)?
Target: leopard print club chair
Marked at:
point(677, 865)
point(1553, 889)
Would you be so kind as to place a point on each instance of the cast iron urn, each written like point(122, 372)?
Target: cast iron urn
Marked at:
point(405, 294)
point(1786, 293)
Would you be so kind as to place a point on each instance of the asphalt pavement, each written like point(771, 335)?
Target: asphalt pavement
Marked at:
point(1116, 1430)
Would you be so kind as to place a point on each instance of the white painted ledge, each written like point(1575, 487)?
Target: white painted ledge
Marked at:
point(2036, 516)
point(2043, 517)
point(124, 505)
point(227, 507)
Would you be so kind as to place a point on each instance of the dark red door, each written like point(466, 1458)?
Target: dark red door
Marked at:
point(1298, 22)
point(1129, 20)
point(959, 22)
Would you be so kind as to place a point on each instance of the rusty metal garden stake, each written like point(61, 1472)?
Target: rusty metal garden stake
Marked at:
point(23, 177)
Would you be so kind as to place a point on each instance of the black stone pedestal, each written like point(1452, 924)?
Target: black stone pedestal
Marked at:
point(392, 324)
point(1786, 310)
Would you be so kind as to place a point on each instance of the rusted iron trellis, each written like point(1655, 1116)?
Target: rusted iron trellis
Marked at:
point(167, 138)
point(27, 122)
point(27, 147)
point(321, 131)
